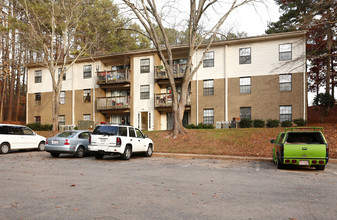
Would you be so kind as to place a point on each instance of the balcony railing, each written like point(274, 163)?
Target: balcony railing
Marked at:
point(111, 103)
point(165, 100)
point(178, 71)
point(114, 76)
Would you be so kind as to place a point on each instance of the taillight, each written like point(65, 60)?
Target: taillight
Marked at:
point(47, 141)
point(321, 162)
point(287, 161)
point(314, 162)
point(66, 142)
point(294, 161)
point(118, 141)
point(89, 139)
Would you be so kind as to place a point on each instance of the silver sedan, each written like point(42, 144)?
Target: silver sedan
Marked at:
point(69, 142)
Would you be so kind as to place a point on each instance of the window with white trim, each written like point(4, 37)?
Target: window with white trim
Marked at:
point(245, 85)
point(62, 120)
point(64, 74)
point(38, 76)
point(37, 96)
point(144, 65)
point(245, 55)
point(285, 52)
point(87, 95)
point(208, 87)
point(87, 69)
point(87, 117)
point(285, 82)
point(37, 119)
point(209, 59)
point(62, 97)
point(144, 91)
point(209, 116)
point(285, 113)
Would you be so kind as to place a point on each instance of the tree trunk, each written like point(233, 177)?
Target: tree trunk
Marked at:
point(55, 108)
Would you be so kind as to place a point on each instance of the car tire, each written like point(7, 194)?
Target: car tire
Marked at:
point(149, 151)
point(80, 152)
point(41, 146)
point(320, 167)
point(99, 156)
point(279, 164)
point(4, 148)
point(127, 153)
point(54, 154)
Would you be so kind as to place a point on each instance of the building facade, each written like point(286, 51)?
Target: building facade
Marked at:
point(261, 77)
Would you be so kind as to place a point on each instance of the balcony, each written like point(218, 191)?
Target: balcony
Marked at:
point(165, 100)
point(178, 71)
point(113, 103)
point(113, 77)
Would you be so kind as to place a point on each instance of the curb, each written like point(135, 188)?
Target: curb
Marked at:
point(218, 157)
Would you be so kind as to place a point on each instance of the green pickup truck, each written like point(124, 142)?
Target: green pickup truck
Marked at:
point(304, 146)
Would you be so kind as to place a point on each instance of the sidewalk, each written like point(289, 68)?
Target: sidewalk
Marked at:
point(219, 157)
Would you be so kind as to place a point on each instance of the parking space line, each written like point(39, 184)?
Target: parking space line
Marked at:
point(334, 173)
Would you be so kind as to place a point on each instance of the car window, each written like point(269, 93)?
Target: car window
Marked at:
point(106, 130)
point(123, 131)
point(281, 138)
point(139, 133)
point(66, 134)
point(84, 135)
point(27, 131)
point(15, 130)
point(3, 129)
point(131, 132)
point(305, 138)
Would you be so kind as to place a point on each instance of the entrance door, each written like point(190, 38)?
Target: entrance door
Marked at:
point(144, 120)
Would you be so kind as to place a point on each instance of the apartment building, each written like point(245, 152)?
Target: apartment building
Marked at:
point(262, 77)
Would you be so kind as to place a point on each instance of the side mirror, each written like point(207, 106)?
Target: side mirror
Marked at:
point(145, 136)
point(272, 141)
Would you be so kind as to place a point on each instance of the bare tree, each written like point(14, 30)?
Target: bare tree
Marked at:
point(53, 25)
point(151, 18)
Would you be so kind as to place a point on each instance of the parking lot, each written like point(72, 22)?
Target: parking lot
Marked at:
point(36, 186)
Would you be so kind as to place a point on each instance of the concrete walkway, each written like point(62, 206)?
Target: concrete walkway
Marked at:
point(219, 157)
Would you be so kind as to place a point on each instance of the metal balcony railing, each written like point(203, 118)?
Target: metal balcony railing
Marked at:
point(113, 76)
point(178, 71)
point(110, 103)
point(165, 100)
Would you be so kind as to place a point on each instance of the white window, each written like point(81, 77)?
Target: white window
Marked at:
point(209, 59)
point(87, 117)
point(285, 82)
point(64, 74)
point(285, 113)
point(208, 87)
point(87, 95)
point(145, 92)
point(208, 116)
point(62, 97)
point(62, 120)
point(87, 69)
point(144, 65)
point(245, 85)
point(38, 76)
point(245, 55)
point(285, 52)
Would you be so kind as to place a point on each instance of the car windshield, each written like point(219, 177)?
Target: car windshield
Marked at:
point(106, 130)
point(305, 138)
point(66, 134)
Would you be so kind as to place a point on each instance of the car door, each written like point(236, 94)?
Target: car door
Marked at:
point(29, 138)
point(16, 137)
point(83, 139)
point(142, 142)
point(134, 140)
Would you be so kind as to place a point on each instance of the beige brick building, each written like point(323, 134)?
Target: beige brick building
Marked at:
point(261, 77)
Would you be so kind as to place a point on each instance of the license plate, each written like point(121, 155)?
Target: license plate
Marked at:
point(304, 162)
point(54, 142)
point(103, 140)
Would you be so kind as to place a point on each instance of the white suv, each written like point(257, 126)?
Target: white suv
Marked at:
point(18, 137)
point(109, 139)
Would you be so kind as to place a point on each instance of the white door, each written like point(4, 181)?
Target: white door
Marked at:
point(141, 142)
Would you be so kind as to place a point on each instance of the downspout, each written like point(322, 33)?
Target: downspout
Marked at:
point(197, 104)
point(27, 103)
point(304, 81)
point(73, 97)
point(226, 86)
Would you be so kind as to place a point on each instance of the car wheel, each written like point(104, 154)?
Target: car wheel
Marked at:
point(80, 152)
point(149, 151)
point(54, 154)
point(41, 146)
point(4, 148)
point(99, 156)
point(279, 164)
point(320, 167)
point(127, 153)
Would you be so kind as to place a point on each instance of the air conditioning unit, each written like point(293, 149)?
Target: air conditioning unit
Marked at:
point(66, 127)
point(222, 124)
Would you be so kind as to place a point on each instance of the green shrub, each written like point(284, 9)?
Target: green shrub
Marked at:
point(199, 126)
point(286, 124)
point(245, 123)
point(273, 123)
point(40, 127)
point(190, 126)
point(259, 123)
point(300, 122)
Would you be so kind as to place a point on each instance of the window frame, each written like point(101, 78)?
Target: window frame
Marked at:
point(85, 95)
point(246, 89)
point(36, 95)
point(284, 115)
point(62, 98)
point(38, 76)
point(86, 115)
point(282, 83)
point(64, 78)
point(281, 53)
point(145, 68)
point(63, 122)
point(207, 119)
point(86, 71)
point(245, 59)
point(37, 121)
point(144, 94)
point(249, 115)
point(208, 62)
point(208, 90)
